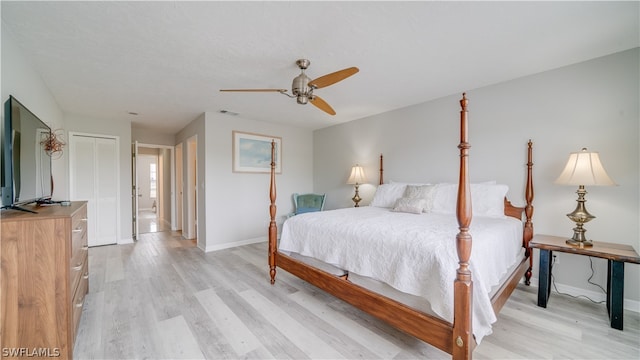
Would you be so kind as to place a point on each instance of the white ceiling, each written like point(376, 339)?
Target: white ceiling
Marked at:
point(167, 60)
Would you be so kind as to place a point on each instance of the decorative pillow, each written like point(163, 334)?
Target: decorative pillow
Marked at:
point(486, 199)
point(409, 205)
point(387, 194)
point(424, 192)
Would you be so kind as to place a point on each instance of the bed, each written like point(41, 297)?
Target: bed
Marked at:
point(447, 298)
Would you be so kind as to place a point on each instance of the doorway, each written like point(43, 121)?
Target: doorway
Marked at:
point(154, 184)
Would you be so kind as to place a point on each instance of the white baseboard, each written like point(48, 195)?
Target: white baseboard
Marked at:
point(631, 305)
point(233, 244)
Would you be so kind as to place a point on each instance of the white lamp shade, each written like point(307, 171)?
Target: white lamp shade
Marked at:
point(584, 168)
point(357, 175)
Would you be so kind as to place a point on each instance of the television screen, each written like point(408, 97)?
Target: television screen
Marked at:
point(26, 165)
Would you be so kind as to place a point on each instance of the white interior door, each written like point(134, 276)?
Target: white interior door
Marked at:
point(94, 178)
point(134, 189)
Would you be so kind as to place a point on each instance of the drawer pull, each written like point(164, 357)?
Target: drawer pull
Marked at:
point(85, 219)
point(80, 304)
point(77, 267)
point(85, 248)
point(86, 275)
point(77, 230)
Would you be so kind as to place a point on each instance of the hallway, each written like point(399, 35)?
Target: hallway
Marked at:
point(148, 222)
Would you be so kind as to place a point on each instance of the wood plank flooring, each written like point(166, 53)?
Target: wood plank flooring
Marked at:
point(163, 298)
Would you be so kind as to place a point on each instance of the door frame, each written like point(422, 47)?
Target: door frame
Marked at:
point(134, 189)
point(179, 187)
point(172, 171)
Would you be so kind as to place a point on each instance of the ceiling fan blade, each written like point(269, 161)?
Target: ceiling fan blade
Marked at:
point(254, 90)
point(333, 78)
point(322, 105)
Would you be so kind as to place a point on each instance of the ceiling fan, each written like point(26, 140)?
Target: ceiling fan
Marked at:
point(302, 87)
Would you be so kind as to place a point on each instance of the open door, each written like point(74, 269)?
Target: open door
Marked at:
point(134, 189)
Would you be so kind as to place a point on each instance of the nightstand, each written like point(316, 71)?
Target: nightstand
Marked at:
point(616, 255)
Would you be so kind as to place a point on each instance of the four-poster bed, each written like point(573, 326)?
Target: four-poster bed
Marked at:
point(456, 336)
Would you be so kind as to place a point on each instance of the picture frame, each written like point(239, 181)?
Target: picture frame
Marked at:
point(252, 152)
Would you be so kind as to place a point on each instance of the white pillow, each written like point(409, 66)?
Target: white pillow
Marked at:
point(387, 194)
point(486, 199)
point(409, 205)
point(444, 198)
point(424, 192)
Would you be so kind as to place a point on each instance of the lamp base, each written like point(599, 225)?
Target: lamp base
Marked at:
point(356, 198)
point(580, 216)
point(580, 244)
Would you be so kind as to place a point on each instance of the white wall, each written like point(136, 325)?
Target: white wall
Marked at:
point(21, 81)
point(238, 203)
point(593, 104)
point(148, 136)
point(122, 129)
point(233, 208)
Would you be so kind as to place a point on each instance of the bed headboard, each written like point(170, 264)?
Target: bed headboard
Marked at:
point(509, 208)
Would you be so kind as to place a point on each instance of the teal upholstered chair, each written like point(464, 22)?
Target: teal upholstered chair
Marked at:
point(305, 203)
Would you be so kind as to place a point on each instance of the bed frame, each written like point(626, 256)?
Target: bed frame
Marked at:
point(454, 338)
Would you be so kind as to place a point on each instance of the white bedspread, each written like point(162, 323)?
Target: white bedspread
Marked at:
point(413, 253)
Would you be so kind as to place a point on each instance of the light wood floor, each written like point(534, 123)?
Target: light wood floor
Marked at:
point(148, 222)
point(163, 298)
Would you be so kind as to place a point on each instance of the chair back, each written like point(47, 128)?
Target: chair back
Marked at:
point(305, 203)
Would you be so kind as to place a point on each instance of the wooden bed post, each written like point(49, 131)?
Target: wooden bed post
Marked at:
point(462, 337)
point(273, 229)
point(528, 211)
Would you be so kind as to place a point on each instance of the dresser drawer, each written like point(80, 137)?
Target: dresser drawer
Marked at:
point(79, 268)
point(79, 238)
point(79, 219)
point(79, 298)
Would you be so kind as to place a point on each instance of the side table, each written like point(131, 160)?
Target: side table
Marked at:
point(616, 255)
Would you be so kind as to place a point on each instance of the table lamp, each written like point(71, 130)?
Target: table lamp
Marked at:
point(357, 177)
point(583, 168)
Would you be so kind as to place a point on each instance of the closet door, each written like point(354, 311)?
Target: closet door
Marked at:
point(94, 178)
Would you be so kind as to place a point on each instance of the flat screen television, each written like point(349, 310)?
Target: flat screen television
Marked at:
point(26, 166)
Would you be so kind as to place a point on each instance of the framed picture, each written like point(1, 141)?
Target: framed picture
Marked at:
point(252, 153)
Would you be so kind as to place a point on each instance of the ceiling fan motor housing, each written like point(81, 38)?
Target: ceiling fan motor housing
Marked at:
point(300, 88)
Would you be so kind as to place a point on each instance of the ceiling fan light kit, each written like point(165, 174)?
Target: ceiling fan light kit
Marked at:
point(302, 86)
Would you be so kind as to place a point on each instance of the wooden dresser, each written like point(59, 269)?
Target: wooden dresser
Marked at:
point(44, 279)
